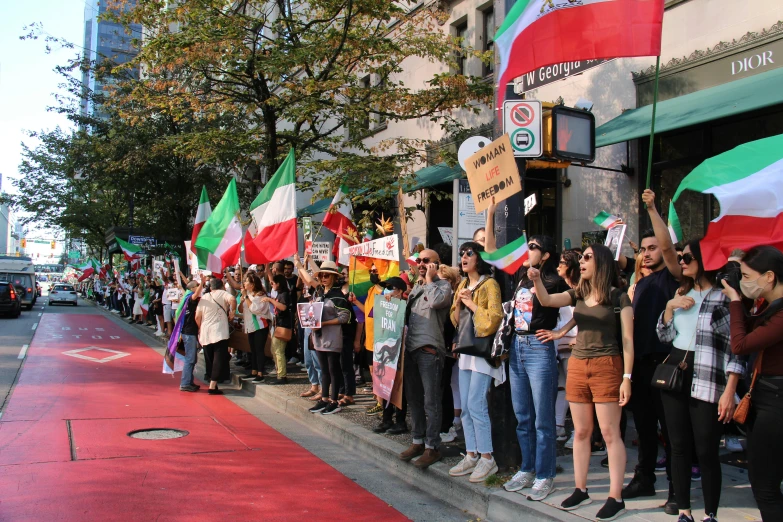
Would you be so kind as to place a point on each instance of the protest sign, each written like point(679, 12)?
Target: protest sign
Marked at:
point(614, 240)
point(388, 329)
point(307, 231)
point(383, 248)
point(157, 266)
point(321, 250)
point(310, 314)
point(492, 171)
point(447, 234)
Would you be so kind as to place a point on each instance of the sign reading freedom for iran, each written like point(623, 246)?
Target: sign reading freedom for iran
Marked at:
point(383, 248)
point(388, 331)
point(492, 171)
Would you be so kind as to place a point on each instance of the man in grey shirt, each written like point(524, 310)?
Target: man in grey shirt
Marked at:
point(425, 349)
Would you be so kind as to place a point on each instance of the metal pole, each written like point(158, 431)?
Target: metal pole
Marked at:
point(652, 122)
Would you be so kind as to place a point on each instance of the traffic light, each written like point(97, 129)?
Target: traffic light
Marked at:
point(569, 134)
point(23, 243)
point(54, 245)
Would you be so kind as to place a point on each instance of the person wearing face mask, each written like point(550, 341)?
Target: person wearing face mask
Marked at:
point(696, 323)
point(761, 335)
point(369, 324)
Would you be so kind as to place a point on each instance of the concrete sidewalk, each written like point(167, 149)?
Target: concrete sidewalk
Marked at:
point(352, 429)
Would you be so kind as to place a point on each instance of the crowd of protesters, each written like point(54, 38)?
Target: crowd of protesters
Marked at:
point(581, 332)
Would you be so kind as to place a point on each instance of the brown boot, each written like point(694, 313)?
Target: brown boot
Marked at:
point(431, 456)
point(413, 451)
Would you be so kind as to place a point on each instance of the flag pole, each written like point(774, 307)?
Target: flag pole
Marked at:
point(652, 123)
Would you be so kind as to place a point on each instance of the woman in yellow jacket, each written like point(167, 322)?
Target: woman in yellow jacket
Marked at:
point(476, 306)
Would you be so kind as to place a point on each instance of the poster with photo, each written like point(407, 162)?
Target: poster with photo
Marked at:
point(614, 240)
point(388, 329)
point(310, 314)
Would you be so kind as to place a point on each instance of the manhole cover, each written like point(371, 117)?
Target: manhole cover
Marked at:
point(157, 434)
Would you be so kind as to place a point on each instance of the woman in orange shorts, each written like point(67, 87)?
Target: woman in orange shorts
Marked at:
point(599, 377)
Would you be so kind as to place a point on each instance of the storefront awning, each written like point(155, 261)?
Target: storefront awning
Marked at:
point(425, 178)
point(739, 96)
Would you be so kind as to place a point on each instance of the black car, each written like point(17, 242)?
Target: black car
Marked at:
point(10, 300)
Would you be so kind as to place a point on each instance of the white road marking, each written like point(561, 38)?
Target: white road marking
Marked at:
point(35, 325)
point(24, 351)
point(40, 314)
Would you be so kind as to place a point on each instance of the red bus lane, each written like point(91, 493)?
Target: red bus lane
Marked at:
point(65, 452)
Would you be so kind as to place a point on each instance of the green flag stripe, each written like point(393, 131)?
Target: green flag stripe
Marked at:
point(288, 170)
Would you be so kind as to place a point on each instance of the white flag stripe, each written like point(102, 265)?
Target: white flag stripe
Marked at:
point(758, 195)
point(282, 207)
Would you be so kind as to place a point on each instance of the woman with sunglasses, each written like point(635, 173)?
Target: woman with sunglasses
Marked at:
point(476, 308)
point(328, 340)
point(599, 377)
point(256, 318)
point(697, 324)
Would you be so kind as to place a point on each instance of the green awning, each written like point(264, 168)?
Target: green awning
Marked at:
point(425, 178)
point(739, 96)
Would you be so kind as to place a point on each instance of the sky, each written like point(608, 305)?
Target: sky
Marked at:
point(27, 79)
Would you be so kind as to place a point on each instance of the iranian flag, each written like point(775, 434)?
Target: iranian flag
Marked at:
point(537, 33)
point(748, 183)
point(606, 220)
point(272, 235)
point(510, 257)
point(206, 260)
point(90, 268)
point(145, 304)
point(221, 233)
point(338, 220)
point(131, 252)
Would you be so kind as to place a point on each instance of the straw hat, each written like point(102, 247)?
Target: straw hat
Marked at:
point(328, 267)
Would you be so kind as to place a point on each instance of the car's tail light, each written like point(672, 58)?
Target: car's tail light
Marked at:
point(13, 294)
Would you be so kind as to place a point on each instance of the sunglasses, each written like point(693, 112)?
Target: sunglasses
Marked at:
point(322, 276)
point(467, 252)
point(586, 257)
point(688, 258)
point(563, 263)
point(533, 246)
point(422, 260)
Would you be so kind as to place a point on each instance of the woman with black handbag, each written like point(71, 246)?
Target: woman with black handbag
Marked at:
point(762, 277)
point(476, 312)
point(284, 323)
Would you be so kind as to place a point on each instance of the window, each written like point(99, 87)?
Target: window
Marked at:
point(489, 39)
point(461, 56)
point(361, 124)
point(381, 118)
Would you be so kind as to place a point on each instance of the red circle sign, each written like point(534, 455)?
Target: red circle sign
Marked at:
point(522, 114)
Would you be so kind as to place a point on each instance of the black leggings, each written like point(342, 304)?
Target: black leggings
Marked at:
point(257, 341)
point(765, 453)
point(689, 420)
point(348, 386)
point(216, 360)
point(331, 374)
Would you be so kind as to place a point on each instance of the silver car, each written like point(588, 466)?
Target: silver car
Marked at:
point(61, 293)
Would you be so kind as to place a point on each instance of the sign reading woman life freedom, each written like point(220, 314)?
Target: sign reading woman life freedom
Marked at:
point(492, 171)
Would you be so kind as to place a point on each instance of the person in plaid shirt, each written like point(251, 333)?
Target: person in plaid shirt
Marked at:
point(697, 324)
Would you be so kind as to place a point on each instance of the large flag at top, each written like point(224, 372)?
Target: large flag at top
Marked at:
point(272, 235)
point(222, 232)
point(537, 33)
point(747, 181)
point(338, 220)
point(206, 260)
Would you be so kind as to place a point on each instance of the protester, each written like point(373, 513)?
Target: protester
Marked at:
point(696, 323)
point(213, 315)
point(476, 312)
point(190, 338)
point(640, 271)
point(310, 356)
point(599, 378)
point(283, 321)
point(256, 319)
point(428, 305)
point(762, 335)
point(480, 237)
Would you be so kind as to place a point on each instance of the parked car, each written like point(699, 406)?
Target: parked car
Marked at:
point(61, 293)
point(10, 301)
point(21, 272)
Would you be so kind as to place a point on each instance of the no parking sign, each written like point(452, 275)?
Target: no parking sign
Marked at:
point(522, 123)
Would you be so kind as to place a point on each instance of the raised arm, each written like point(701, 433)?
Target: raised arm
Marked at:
point(550, 301)
point(662, 235)
point(306, 277)
point(489, 231)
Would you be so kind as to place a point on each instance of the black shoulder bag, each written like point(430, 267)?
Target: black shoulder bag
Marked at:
point(468, 343)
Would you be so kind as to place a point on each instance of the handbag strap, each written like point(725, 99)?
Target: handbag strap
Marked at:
point(756, 371)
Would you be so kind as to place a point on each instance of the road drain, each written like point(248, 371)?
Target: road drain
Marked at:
point(157, 434)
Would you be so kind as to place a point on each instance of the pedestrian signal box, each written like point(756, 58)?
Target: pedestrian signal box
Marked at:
point(569, 134)
point(54, 245)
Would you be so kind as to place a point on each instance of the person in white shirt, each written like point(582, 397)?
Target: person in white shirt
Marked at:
point(214, 313)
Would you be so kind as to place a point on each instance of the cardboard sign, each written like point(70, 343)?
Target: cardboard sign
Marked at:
point(383, 248)
point(388, 329)
point(321, 250)
point(614, 240)
point(492, 171)
point(310, 314)
point(447, 233)
point(307, 232)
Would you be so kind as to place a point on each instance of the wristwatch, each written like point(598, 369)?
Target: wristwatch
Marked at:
point(627, 376)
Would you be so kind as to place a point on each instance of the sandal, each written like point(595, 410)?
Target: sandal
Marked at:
point(309, 393)
point(346, 401)
point(316, 397)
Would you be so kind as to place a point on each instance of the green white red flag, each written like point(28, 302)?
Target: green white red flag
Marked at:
point(90, 268)
point(206, 259)
point(510, 257)
point(221, 234)
point(272, 234)
point(130, 251)
point(747, 181)
point(338, 220)
point(606, 220)
point(538, 33)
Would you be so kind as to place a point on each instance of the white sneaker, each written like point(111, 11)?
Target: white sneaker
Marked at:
point(465, 466)
point(561, 434)
point(485, 468)
point(733, 444)
point(541, 489)
point(451, 436)
point(570, 442)
point(520, 480)
point(158, 334)
point(293, 360)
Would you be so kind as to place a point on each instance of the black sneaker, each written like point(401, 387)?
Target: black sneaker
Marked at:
point(248, 377)
point(605, 462)
point(332, 408)
point(670, 508)
point(639, 487)
point(577, 498)
point(709, 518)
point(381, 428)
point(611, 510)
point(215, 392)
point(319, 407)
point(188, 388)
point(280, 380)
point(258, 378)
point(685, 518)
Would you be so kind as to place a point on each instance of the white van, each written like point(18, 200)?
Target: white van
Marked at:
point(21, 272)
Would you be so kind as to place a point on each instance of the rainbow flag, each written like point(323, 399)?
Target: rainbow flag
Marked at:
point(360, 277)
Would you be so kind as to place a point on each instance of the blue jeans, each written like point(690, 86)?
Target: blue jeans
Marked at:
point(311, 362)
point(533, 377)
point(473, 390)
point(191, 352)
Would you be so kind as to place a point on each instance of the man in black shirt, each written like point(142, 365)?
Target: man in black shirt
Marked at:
point(650, 298)
point(190, 338)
